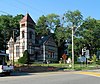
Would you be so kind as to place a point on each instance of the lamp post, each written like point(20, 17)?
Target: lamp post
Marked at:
point(72, 48)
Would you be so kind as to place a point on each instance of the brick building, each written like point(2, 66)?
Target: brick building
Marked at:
point(44, 49)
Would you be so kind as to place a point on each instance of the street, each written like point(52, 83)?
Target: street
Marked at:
point(50, 78)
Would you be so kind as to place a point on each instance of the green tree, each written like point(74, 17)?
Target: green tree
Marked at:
point(53, 21)
point(41, 26)
point(1, 41)
point(25, 59)
point(73, 20)
point(7, 24)
point(89, 31)
point(15, 23)
point(96, 34)
point(5, 29)
point(59, 35)
point(16, 20)
point(47, 24)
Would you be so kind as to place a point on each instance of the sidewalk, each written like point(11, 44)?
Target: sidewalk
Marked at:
point(95, 70)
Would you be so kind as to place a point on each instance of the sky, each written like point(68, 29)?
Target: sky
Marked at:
point(37, 8)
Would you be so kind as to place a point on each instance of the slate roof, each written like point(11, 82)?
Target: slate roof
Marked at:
point(27, 18)
point(44, 39)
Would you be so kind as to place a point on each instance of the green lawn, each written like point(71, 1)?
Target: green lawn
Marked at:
point(67, 67)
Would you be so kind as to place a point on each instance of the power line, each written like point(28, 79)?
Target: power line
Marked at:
point(15, 6)
point(5, 12)
point(30, 7)
point(26, 8)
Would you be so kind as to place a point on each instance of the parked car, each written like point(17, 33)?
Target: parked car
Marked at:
point(4, 68)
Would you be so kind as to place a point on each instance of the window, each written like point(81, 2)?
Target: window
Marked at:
point(30, 35)
point(23, 35)
point(23, 47)
point(50, 54)
point(17, 51)
point(53, 55)
point(1, 60)
point(30, 25)
point(22, 25)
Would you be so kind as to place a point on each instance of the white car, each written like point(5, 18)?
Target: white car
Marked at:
point(4, 68)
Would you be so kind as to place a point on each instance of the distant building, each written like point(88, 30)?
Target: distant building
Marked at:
point(41, 49)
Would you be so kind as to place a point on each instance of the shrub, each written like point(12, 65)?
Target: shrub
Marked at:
point(25, 59)
point(94, 58)
point(98, 62)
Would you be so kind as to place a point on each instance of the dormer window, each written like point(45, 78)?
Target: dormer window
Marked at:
point(23, 35)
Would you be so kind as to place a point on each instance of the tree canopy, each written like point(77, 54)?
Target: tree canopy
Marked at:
point(86, 32)
point(7, 24)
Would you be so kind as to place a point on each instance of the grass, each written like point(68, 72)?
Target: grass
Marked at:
point(77, 66)
point(67, 67)
point(56, 65)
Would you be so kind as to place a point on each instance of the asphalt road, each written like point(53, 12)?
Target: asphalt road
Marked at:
point(50, 78)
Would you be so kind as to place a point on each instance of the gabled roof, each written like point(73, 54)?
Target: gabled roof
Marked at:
point(45, 39)
point(11, 39)
point(27, 18)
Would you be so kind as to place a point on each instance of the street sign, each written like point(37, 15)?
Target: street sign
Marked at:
point(81, 59)
point(64, 56)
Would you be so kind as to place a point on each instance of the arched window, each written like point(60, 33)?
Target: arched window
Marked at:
point(23, 35)
point(30, 35)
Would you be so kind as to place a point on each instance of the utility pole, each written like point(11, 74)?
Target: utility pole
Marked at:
point(72, 47)
point(13, 48)
point(43, 52)
point(5, 41)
